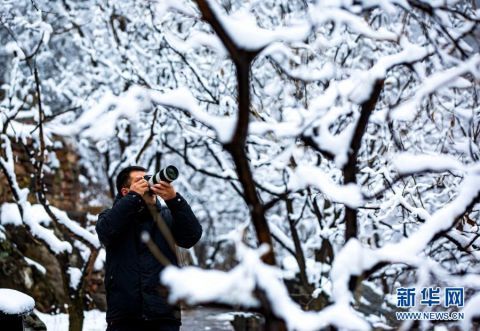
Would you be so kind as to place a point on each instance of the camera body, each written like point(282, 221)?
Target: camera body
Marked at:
point(167, 174)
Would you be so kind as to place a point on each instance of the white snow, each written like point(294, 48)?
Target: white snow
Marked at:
point(162, 7)
point(100, 120)
point(354, 258)
point(75, 277)
point(280, 235)
point(303, 176)
point(12, 47)
point(75, 227)
point(319, 62)
point(323, 12)
point(229, 316)
point(36, 218)
point(10, 214)
point(336, 144)
point(33, 216)
point(359, 86)
point(15, 302)
point(196, 286)
point(182, 98)
point(33, 221)
point(195, 40)
point(408, 109)
point(242, 28)
point(94, 321)
point(407, 163)
point(8, 164)
point(471, 311)
point(37, 265)
point(415, 211)
point(100, 261)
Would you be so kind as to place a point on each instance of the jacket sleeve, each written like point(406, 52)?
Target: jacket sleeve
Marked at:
point(112, 222)
point(186, 228)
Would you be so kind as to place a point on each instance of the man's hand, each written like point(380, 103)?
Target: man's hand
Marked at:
point(139, 185)
point(164, 190)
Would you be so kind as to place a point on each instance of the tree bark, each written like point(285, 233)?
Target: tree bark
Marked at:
point(350, 168)
point(299, 256)
point(75, 315)
point(236, 146)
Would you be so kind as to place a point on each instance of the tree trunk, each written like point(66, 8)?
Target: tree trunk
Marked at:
point(299, 256)
point(75, 314)
point(350, 168)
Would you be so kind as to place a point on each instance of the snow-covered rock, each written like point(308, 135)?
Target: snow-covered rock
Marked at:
point(15, 302)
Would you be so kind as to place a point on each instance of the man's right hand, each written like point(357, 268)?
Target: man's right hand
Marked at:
point(139, 185)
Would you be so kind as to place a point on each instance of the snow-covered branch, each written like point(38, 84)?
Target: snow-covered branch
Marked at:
point(238, 287)
point(354, 259)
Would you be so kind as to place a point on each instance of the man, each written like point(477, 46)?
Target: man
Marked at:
point(135, 299)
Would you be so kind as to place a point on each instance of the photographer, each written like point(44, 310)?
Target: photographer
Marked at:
point(135, 299)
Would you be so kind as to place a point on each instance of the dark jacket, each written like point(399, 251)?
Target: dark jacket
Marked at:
point(132, 273)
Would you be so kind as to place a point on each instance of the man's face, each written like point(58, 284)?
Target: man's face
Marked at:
point(134, 174)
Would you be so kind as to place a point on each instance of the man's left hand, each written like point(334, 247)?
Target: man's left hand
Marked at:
point(164, 190)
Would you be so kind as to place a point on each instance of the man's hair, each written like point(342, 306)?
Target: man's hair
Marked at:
point(123, 177)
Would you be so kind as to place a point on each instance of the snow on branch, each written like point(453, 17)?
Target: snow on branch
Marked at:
point(36, 217)
point(471, 311)
point(322, 13)
point(290, 128)
point(8, 166)
point(164, 6)
point(418, 211)
point(407, 163)
point(242, 29)
point(359, 86)
point(75, 276)
point(444, 79)
point(354, 259)
point(22, 211)
point(33, 219)
point(283, 55)
point(99, 121)
point(195, 40)
point(182, 98)
point(335, 144)
point(10, 214)
point(36, 265)
point(303, 176)
point(195, 286)
point(280, 235)
point(444, 218)
point(237, 287)
point(75, 228)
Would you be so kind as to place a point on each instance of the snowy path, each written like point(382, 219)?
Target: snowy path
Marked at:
point(206, 319)
point(192, 320)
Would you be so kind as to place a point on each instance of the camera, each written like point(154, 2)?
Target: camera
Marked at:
point(167, 174)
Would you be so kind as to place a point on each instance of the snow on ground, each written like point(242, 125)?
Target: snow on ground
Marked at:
point(206, 318)
point(15, 302)
point(200, 318)
point(94, 321)
point(229, 316)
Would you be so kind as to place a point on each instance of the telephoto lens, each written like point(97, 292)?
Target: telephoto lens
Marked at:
point(167, 174)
